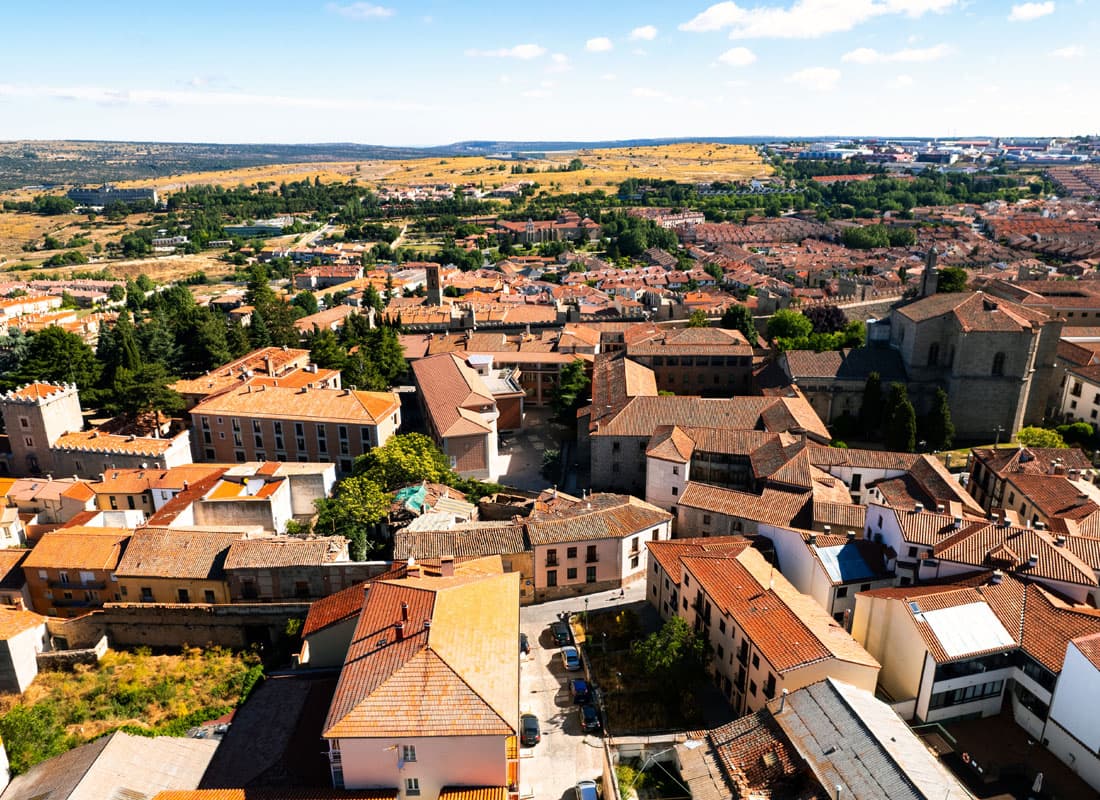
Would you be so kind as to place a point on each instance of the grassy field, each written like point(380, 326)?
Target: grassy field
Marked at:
point(141, 692)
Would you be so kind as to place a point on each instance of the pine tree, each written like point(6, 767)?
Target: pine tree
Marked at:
point(939, 430)
point(870, 410)
point(901, 426)
point(738, 317)
point(258, 333)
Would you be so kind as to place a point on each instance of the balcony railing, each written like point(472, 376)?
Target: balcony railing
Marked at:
point(69, 586)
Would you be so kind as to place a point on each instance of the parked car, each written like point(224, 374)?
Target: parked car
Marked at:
point(581, 691)
point(571, 657)
point(529, 733)
point(524, 645)
point(586, 790)
point(563, 635)
point(590, 718)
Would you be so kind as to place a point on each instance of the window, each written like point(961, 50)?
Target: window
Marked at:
point(408, 752)
point(675, 491)
point(752, 688)
point(865, 587)
point(146, 594)
point(183, 595)
point(28, 441)
point(63, 576)
point(634, 562)
point(857, 481)
point(551, 577)
point(912, 552)
point(934, 354)
point(121, 588)
point(634, 545)
point(412, 787)
point(842, 591)
point(590, 575)
point(722, 625)
point(590, 554)
point(207, 596)
point(571, 575)
point(570, 552)
point(552, 558)
point(706, 519)
point(615, 447)
point(676, 469)
point(755, 661)
point(966, 694)
point(999, 364)
point(720, 652)
point(24, 422)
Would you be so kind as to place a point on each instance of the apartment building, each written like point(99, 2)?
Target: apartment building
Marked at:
point(175, 565)
point(764, 635)
point(276, 366)
point(71, 571)
point(260, 423)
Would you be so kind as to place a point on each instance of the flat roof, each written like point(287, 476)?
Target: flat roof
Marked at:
point(969, 628)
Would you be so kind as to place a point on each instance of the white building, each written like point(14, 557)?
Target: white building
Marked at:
point(1073, 729)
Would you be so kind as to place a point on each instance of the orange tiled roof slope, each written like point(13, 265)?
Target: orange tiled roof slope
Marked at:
point(975, 311)
point(473, 793)
point(668, 553)
point(443, 672)
point(100, 442)
point(13, 621)
point(79, 548)
point(760, 761)
point(605, 516)
point(282, 551)
point(177, 553)
point(35, 391)
point(453, 395)
point(280, 402)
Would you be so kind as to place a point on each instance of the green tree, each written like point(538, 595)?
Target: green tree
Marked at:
point(56, 355)
point(372, 299)
point(571, 393)
point(14, 348)
point(325, 350)
point(738, 317)
point(258, 332)
point(1040, 437)
point(356, 507)
point(1077, 433)
point(698, 319)
point(145, 283)
point(901, 422)
point(939, 430)
point(404, 459)
point(306, 301)
point(870, 409)
point(951, 279)
point(145, 390)
point(673, 655)
point(33, 733)
point(787, 324)
point(117, 293)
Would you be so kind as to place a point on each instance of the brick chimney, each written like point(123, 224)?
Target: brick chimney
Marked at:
point(447, 566)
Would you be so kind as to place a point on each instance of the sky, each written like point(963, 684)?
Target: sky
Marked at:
point(425, 72)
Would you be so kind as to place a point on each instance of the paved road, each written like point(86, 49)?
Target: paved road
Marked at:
point(565, 755)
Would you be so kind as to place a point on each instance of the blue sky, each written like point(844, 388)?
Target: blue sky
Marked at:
point(417, 72)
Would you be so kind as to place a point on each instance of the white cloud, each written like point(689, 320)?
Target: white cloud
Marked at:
point(164, 97)
point(1026, 12)
point(601, 44)
point(647, 93)
point(1069, 51)
point(559, 62)
point(646, 33)
point(805, 19)
point(738, 57)
point(360, 10)
point(865, 55)
point(819, 79)
point(901, 82)
point(524, 52)
point(536, 94)
point(609, 76)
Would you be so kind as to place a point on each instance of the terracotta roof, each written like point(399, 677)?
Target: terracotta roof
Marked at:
point(670, 443)
point(1034, 460)
point(473, 793)
point(79, 548)
point(464, 539)
point(603, 516)
point(987, 544)
point(279, 402)
point(640, 416)
point(776, 506)
point(281, 551)
point(1090, 648)
point(99, 442)
point(760, 761)
point(453, 394)
point(35, 391)
point(788, 628)
point(14, 621)
point(456, 678)
point(668, 553)
point(841, 516)
point(975, 311)
point(343, 605)
point(11, 567)
point(177, 553)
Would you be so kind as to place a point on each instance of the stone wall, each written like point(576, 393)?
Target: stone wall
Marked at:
point(162, 625)
point(66, 660)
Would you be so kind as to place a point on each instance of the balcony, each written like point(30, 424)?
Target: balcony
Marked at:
point(551, 561)
point(60, 602)
point(74, 587)
point(591, 558)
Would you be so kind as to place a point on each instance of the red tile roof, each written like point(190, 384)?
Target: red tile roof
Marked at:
point(668, 553)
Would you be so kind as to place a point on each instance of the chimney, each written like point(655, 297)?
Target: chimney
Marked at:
point(404, 612)
point(366, 592)
point(958, 522)
point(812, 539)
point(1032, 560)
point(1060, 540)
point(412, 571)
point(1040, 525)
point(826, 529)
point(399, 631)
point(997, 577)
point(851, 536)
point(918, 507)
point(17, 603)
point(838, 787)
point(939, 508)
point(782, 700)
point(447, 566)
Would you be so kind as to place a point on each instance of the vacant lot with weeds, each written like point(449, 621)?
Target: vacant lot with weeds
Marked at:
point(137, 691)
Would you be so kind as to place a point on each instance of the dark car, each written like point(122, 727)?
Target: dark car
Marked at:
point(529, 733)
point(590, 718)
point(524, 645)
point(562, 634)
point(582, 692)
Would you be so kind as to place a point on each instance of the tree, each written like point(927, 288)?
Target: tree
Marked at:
point(738, 317)
point(571, 391)
point(787, 324)
point(14, 347)
point(901, 420)
point(673, 655)
point(258, 332)
point(939, 430)
point(870, 409)
point(145, 283)
point(56, 355)
point(306, 301)
point(951, 279)
point(826, 319)
point(372, 299)
point(356, 507)
point(698, 319)
point(404, 459)
point(1077, 433)
point(117, 293)
point(145, 390)
point(325, 350)
point(1040, 437)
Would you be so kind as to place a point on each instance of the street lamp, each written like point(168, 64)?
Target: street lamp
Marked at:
point(1000, 430)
